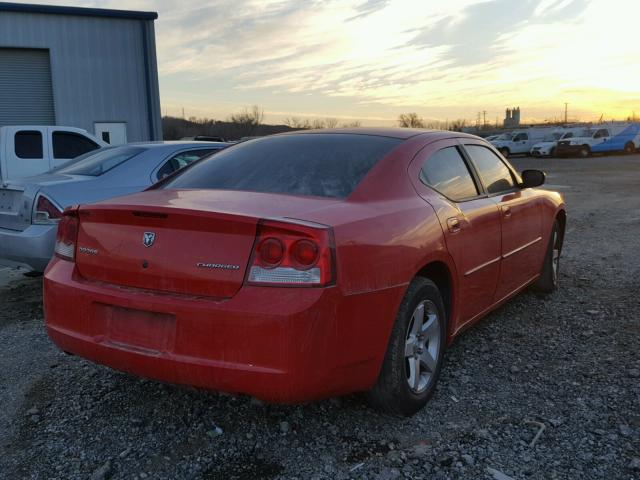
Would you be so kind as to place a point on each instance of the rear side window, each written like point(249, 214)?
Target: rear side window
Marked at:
point(494, 173)
point(181, 160)
point(324, 165)
point(28, 144)
point(96, 163)
point(71, 145)
point(446, 172)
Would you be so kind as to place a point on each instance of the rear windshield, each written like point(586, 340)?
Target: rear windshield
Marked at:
point(100, 161)
point(323, 165)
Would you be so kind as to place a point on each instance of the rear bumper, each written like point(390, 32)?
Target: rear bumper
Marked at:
point(285, 345)
point(32, 247)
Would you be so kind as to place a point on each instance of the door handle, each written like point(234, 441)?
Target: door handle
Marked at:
point(506, 211)
point(453, 224)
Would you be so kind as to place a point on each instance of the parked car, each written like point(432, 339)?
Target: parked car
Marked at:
point(520, 141)
point(204, 138)
point(547, 148)
point(606, 138)
point(31, 208)
point(305, 265)
point(27, 150)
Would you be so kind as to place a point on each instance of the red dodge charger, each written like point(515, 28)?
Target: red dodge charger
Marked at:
point(305, 265)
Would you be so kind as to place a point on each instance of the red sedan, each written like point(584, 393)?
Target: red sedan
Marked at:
point(301, 266)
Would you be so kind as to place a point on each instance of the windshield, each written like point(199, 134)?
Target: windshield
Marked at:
point(98, 162)
point(324, 165)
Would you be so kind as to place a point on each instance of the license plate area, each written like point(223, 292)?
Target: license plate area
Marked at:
point(133, 329)
point(9, 200)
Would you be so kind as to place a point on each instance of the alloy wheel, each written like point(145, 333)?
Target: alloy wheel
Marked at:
point(422, 346)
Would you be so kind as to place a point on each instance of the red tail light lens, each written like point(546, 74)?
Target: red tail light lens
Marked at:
point(67, 236)
point(296, 254)
point(271, 252)
point(46, 211)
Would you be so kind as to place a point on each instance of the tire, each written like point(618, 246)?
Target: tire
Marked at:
point(585, 151)
point(504, 151)
point(392, 392)
point(548, 280)
point(629, 148)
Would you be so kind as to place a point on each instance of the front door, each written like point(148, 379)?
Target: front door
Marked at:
point(520, 217)
point(470, 222)
point(114, 133)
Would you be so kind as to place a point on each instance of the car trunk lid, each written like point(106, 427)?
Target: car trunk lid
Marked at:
point(182, 242)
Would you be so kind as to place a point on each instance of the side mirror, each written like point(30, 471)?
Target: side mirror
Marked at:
point(532, 178)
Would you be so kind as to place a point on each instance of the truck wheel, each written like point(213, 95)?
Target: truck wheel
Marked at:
point(585, 151)
point(629, 148)
point(504, 151)
point(413, 360)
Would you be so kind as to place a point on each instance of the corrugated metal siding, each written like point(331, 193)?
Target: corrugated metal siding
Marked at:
point(26, 97)
point(97, 68)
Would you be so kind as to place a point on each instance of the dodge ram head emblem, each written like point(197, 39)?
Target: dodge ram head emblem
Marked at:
point(148, 238)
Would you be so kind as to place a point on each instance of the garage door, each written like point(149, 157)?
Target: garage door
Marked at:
point(26, 97)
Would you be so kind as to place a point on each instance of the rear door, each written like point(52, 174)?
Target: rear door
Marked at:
point(469, 219)
point(520, 218)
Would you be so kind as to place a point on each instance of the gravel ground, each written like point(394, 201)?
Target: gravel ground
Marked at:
point(565, 367)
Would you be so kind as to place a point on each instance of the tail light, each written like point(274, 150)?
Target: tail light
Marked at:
point(296, 254)
point(67, 236)
point(46, 211)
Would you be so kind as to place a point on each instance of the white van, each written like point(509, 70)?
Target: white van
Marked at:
point(521, 141)
point(547, 148)
point(28, 150)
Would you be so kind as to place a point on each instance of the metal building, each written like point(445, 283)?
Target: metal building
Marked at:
point(83, 67)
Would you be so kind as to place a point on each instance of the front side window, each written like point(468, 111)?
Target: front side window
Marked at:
point(601, 134)
point(446, 172)
point(520, 137)
point(28, 144)
point(494, 173)
point(71, 145)
point(323, 165)
point(96, 163)
point(181, 160)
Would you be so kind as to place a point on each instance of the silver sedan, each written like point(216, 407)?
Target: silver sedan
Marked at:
point(30, 208)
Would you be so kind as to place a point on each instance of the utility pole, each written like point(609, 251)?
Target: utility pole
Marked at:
point(484, 119)
point(183, 113)
point(566, 110)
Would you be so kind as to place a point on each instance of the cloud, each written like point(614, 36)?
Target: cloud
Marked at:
point(377, 57)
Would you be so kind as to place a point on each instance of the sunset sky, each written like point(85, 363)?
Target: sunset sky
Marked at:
point(372, 60)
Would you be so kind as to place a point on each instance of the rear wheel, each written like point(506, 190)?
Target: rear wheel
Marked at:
point(548, 281)
point(585, 151)
point(414, 355)
point(629, 148)
point(504, 151)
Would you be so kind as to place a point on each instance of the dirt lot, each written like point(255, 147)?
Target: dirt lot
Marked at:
point(568, 362)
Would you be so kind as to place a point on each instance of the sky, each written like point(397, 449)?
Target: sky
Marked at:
point(371, 60)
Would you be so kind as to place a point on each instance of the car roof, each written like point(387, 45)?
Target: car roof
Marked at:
point(177, 143)
point(394, 132)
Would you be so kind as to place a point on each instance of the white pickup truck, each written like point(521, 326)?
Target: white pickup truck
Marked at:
point(520, 141)
point(28, 150)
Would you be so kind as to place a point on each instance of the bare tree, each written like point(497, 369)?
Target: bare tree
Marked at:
point(297, 123)
point(248, 120)
point(410, 120)
point(458, 125)
point(354, 124)
point(331, 122)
